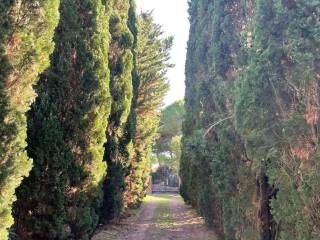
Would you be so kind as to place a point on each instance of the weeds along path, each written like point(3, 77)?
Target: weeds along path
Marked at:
point(162, 217)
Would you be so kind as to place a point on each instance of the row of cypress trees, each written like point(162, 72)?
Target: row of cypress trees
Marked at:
point(250, 159)
point(66, 130)
point(78, 144)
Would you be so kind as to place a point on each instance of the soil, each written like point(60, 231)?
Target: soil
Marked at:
point(161, 217)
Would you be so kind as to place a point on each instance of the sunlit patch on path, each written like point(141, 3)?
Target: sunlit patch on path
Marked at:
point(162, 217)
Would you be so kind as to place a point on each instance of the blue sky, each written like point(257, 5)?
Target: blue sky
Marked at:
point(173, 16)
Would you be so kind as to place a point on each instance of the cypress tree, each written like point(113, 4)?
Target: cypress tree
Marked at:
point(119, 147)
point(169, 136)
point(279, 91)
point(132, 118)
point(26, 31)
point(191, 103)
point(195, 172)
point(66, 129)
point(218, 178)
point(153, 54)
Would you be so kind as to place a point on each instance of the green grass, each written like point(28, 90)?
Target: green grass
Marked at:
point(163, 215)
point(157, 197)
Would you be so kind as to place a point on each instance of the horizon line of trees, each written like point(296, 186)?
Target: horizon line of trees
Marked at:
point(81, 88)
point(250, 148)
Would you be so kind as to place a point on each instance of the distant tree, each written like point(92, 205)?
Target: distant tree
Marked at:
point(170, 125)
point(167, 148)
point(26, 31)
point(66, 130)
point(175, 146)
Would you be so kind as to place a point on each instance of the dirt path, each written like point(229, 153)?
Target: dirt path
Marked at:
point(162, 217)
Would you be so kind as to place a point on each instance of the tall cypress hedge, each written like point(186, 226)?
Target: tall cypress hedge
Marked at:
point(26, 31)
point(66, 129)
point(250, 159)
point(119, 147)
point(279, 91)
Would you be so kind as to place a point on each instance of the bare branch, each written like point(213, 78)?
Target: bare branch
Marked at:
point(215, 124)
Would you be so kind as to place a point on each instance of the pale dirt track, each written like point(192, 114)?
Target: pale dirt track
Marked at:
point(162, 217)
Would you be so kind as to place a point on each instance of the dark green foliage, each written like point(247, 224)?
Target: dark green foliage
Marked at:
point(252, 93)
point(26, 31)
point(66, 130)
point(278, 91)
point(119, 148)
point(210, 156)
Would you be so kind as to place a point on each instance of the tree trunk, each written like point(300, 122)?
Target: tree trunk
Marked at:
point(267, 225)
